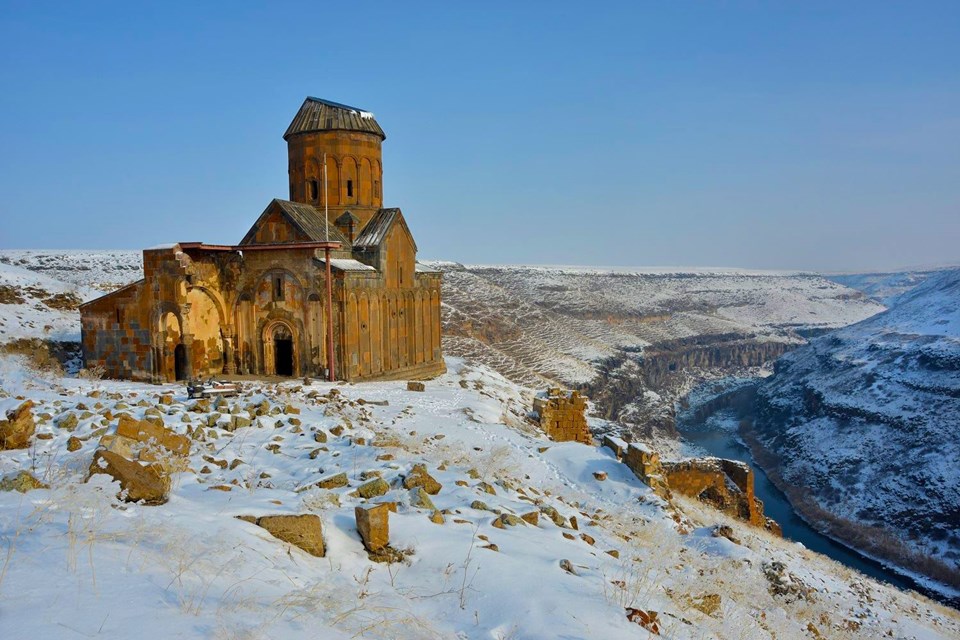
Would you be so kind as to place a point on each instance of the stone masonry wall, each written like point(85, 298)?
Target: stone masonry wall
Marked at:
point(562, 416)
point(724, 484)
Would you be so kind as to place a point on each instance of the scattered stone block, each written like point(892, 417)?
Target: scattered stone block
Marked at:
point(509, 520)
point(67, 422)
point(22, 481)
point(17, 427)
point(373, 525)
point(418, 477)
point(303, 531)
point(374, 488)
point(554, 516)
point(334, 481)
point(487, 488)
point(416, 386)
point(149, 433)
point(149, 484)
point(421, 499)
point(74, 443)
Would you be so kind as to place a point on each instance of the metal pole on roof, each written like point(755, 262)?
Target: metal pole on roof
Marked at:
point(326, 201)
point(331, 376)
point(330, 373)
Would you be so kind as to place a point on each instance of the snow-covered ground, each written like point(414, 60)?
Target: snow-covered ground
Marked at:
point(77, 562)
point(29, 280)
point(865, 419)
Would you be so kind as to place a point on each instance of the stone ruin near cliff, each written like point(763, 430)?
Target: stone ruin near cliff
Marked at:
point(562, 415)
point(724, 484)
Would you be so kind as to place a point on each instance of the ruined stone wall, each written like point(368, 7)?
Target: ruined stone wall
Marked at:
point(115, 334)
point(724, 484)
point(643, 461)
point(562, 416)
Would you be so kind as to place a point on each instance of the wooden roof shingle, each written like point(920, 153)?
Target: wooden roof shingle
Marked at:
point(376, 230)
point(308, 219)
point(317, 114)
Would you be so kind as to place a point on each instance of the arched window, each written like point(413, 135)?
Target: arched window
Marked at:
point(313, 188)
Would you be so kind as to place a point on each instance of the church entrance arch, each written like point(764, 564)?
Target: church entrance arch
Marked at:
point(279, 350)
point(283, 351)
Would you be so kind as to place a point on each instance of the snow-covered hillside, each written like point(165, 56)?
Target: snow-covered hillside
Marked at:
point(41, 290)
point(605, 558)
point(101, 270)
point(864, 422)
point(558, 322)
point(882, 287)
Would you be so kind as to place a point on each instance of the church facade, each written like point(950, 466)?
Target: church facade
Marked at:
point(324, 284)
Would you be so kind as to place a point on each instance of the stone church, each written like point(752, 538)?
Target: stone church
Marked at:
point(324, 284)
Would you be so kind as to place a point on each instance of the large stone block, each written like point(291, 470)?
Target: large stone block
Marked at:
point(148, 432)
point(18, 427)
point(149, 484)
point(303, 531)
point(373, 525)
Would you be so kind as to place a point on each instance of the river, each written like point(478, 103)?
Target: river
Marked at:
point(717, 436)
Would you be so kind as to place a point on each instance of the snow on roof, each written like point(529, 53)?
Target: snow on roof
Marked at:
point(347, 264)
point(423, 268)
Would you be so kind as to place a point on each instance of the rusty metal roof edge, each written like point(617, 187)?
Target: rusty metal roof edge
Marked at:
point(113, 293)
point(272, 246)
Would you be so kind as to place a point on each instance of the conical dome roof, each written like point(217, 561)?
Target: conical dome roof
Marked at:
point(317, 114)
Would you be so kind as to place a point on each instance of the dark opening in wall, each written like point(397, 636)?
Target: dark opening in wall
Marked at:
point(349, 188)
point(278, 288)
point(314, 188)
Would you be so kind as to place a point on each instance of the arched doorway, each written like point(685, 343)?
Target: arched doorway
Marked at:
point(180, 362)
point(282, 350)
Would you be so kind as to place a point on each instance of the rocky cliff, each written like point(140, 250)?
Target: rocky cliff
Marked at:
point(860, 428)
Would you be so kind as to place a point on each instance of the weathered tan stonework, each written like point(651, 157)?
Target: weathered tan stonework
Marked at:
point(725, 484)
point(260, 307)
point(562, 415)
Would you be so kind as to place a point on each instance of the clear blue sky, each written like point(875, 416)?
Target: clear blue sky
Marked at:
point(754, 134)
